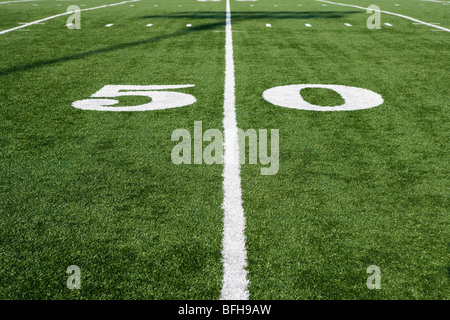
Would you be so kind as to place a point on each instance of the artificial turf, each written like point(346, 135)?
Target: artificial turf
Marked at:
point(99, 189)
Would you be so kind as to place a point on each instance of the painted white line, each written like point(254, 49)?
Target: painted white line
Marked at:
point(268, 25)
point(308, 25)
point(189, 25)
point(436, 1)
point(348, 24)
point(65, 14)
point(109, 25)
point(149, 25)
point(27, 22)
point(5, 2)
point(388, 24)
point(234, 253)
point(387, 12)
point(225, 31)
point(415, 23)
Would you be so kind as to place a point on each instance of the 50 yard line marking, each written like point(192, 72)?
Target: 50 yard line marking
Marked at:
point(234, 253)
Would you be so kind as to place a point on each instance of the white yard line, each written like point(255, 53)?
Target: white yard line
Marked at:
point(436, 1)
point(391, 13)
point(234, 253)
point(5, 2)
point(64, 14)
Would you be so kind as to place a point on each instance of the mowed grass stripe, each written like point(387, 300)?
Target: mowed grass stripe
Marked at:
point(99, 190)
point(356, 188)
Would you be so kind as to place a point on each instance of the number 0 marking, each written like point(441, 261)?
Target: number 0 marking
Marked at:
point(290, 97)
point(159, 99)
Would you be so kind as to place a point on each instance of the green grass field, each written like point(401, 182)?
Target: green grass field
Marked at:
point(99, 189)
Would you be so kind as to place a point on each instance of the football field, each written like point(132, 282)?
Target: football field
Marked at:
point(122, 158)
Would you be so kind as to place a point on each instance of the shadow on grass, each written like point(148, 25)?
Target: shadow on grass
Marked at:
point(191, 16)
point(238, 16)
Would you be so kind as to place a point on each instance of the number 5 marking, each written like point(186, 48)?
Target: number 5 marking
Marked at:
point(159, 99)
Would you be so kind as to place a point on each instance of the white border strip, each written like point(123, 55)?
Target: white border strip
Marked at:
point(5, 2)
point(436, 1)
point(234, 253)
point(64, 14)
point(391, 13)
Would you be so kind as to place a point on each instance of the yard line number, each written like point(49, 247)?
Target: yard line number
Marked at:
point(288, 96)
point(160, 98)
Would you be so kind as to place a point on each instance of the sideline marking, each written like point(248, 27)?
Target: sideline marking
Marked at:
point(391, 13)
point(65, 14)
point(5, 2)
point(436, 1)
point(234, 253)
